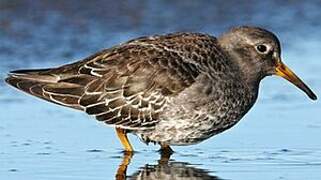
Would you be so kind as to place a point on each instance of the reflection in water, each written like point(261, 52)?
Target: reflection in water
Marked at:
point(165, 169)
point(122, 169)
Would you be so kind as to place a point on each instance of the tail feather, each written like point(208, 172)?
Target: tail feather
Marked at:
point(42, 84)
point(39, 75)
point(28, 86)
point(29, 71)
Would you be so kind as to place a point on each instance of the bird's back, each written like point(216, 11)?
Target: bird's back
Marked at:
point(129, 84)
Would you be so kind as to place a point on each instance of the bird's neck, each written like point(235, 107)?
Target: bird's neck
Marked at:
point(247, 70)
point(249, 73)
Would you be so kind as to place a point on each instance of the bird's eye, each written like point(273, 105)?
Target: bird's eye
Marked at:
point(262, 49)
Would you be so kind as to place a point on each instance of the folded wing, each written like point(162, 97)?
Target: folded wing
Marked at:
point(127, 86)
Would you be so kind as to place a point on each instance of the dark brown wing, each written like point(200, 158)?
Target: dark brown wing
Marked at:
point(127, 86)
point(41, 83)
point(135, 84)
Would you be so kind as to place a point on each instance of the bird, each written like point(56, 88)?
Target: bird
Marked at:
point(172, 89)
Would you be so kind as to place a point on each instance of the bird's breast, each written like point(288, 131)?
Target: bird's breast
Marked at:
point(202, 111)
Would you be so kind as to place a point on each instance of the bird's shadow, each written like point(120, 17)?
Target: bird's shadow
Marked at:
point(166, 168)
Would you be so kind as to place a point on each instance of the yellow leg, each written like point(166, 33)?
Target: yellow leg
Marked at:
point(124, 140)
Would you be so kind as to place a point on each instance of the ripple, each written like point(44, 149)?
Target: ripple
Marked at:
point(43, 153)
point(95, 150)
point(13, 170)
point(26, 144)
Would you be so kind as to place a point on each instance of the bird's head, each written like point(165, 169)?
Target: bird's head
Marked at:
point(258, 54)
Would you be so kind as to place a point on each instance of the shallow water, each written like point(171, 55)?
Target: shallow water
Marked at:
point(278, 139)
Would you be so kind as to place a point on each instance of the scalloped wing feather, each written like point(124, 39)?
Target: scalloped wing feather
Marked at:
point(128, 85)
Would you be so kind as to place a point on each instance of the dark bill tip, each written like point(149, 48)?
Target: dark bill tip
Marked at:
point(285, 72)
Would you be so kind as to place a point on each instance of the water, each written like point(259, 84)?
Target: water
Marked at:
point(277, 139)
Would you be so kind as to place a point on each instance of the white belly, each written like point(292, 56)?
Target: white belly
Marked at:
point(183, 131)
